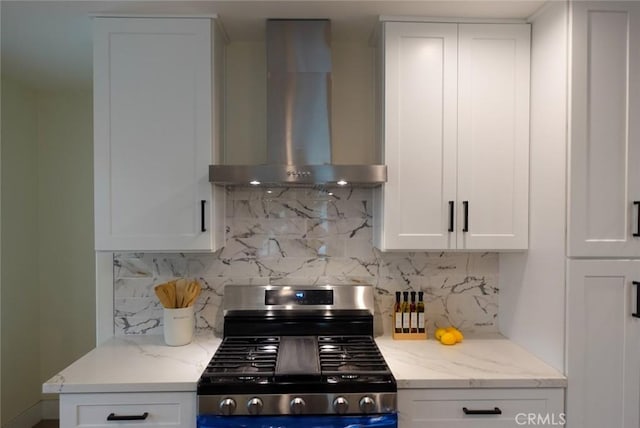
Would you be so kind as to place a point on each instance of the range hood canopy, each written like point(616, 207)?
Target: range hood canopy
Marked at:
point(298, 115)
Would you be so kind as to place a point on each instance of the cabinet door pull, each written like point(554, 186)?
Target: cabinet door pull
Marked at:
point(451, 207)
point(637, 234)
point(202, 226)
point(465, 206)
point(637, 312)
point(494, 411)
point(114, 417)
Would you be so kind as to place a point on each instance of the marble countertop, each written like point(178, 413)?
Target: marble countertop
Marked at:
point(146, 364)
point(141, 363)
point(486, 361)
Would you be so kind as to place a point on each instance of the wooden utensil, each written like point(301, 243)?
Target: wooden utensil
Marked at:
point(163, 296)
point(191, 293)
point(166, 294)
point(181, 286)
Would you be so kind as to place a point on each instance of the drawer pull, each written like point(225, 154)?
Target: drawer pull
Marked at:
point(494, 411)
point(114, 417)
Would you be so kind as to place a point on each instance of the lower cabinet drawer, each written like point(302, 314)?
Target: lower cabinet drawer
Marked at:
point(481, 408)
point(157, 409)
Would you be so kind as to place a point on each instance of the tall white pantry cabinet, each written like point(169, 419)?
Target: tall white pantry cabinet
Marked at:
point(603, 328)
point(157, 127)
point(456, 136)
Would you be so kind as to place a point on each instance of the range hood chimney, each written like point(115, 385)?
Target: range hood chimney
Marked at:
point(298, 115)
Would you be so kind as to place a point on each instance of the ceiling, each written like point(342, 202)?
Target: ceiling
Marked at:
point(47, 44)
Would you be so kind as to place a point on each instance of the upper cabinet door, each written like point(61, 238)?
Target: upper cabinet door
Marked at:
point(456, 137)
point(153, 134)
point(605, 130)
point(493, 136)
point(420, 105)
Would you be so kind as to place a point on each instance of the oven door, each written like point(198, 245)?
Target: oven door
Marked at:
point(372, 421)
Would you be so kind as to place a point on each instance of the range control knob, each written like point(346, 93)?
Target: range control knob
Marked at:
point(227, 406)
point(254, 406)
point(340, 405)
point(297, 405)
point(367, 405)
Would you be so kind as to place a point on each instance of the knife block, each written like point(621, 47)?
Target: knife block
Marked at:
point(410, 336)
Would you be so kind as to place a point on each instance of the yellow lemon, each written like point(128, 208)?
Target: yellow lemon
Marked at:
point(458, 335)
point(451, 329)
point(439, 332)
point(448, 339)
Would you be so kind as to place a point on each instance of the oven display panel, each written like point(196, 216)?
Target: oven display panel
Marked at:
point(298, 297)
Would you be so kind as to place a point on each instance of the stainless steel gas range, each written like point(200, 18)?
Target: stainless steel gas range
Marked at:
point(297, 356)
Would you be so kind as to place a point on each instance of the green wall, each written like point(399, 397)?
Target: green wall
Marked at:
point(20, 323)
point(47, 302)
point(66, 261)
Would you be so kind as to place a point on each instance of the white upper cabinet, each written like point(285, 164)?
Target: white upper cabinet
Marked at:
point(605, 130)
point(156, 130)
point(493, 136)
point(456, 137)
point(420, 134)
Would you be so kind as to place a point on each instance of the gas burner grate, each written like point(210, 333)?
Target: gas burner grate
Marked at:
point(350, 357)
point(244, 358)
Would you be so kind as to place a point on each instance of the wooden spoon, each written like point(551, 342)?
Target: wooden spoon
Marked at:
point(163, 296)
point(171, 290)
point(166, 294)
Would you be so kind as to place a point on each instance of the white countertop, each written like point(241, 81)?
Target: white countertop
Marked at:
point(146, 364)
point(487, 361)
point(136, 364)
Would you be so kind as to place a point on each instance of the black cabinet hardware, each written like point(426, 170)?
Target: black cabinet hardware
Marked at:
point(465, 205)
point(451, 206)
point(637, 234)
point(494, 411)
point(114, 417)
point(637, 312)
point(202, 226)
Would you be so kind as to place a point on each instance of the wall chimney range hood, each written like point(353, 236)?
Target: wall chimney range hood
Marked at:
point(298, 115)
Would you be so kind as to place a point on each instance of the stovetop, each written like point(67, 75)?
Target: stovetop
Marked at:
point(284, 353)
point(244, 365)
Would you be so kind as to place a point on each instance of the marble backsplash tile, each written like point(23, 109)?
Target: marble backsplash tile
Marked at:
point(308, 236)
